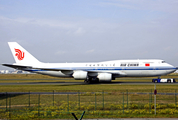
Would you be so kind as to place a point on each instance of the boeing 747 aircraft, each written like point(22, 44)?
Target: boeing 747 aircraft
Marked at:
point(89, 71)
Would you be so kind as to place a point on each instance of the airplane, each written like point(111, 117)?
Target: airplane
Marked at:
point(89, 71)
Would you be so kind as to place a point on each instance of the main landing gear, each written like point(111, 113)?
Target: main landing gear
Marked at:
point(91, 80)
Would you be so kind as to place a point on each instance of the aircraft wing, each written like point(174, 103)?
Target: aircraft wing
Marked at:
point(89, 71)
point(52, 69)
point(17, 66)
point(21, 67)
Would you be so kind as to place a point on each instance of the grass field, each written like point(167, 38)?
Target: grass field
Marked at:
point(98, 100)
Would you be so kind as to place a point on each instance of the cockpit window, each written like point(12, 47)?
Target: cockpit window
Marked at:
point(163, 61)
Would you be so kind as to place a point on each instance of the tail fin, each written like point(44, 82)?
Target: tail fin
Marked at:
point(20, 55)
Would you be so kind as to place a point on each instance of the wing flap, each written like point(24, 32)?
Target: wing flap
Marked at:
point(89, 71)
point(53, 69)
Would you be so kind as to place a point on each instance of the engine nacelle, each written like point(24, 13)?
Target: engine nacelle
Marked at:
point(80, 75)
point(105, 77)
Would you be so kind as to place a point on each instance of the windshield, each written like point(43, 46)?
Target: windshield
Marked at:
point(163, 61)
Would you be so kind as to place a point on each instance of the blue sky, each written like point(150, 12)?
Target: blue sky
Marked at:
point(90, 30)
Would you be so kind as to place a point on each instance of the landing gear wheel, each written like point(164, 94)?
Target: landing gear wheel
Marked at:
point(87, 81)
point(97, 80)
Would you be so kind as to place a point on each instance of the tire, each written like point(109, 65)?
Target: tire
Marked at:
point(169, 81)
point(87, 81)
point(97, 80)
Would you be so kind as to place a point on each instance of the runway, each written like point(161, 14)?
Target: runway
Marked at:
point(43, 83)
point(70, 81)
point(82, 83)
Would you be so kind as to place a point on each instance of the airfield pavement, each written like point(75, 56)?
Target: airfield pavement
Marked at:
point(80, 83)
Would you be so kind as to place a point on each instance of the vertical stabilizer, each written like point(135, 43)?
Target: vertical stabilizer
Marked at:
point(20, 55)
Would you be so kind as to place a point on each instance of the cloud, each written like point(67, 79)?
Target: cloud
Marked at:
point(79, 31)
point(41, 22)
point(47, 22)
point(152, 5)
point(90, 51)
point(168, 48)
point(60, 52)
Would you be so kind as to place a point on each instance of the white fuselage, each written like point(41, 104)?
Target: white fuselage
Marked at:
point(120, 68)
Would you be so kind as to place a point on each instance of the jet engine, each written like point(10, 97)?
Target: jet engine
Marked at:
point(80, 75)
point(105, 77)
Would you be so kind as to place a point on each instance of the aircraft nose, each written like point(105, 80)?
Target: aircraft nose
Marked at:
point(172, 66)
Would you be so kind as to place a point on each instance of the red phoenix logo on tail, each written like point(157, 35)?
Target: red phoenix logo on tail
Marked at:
point(19, 54)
